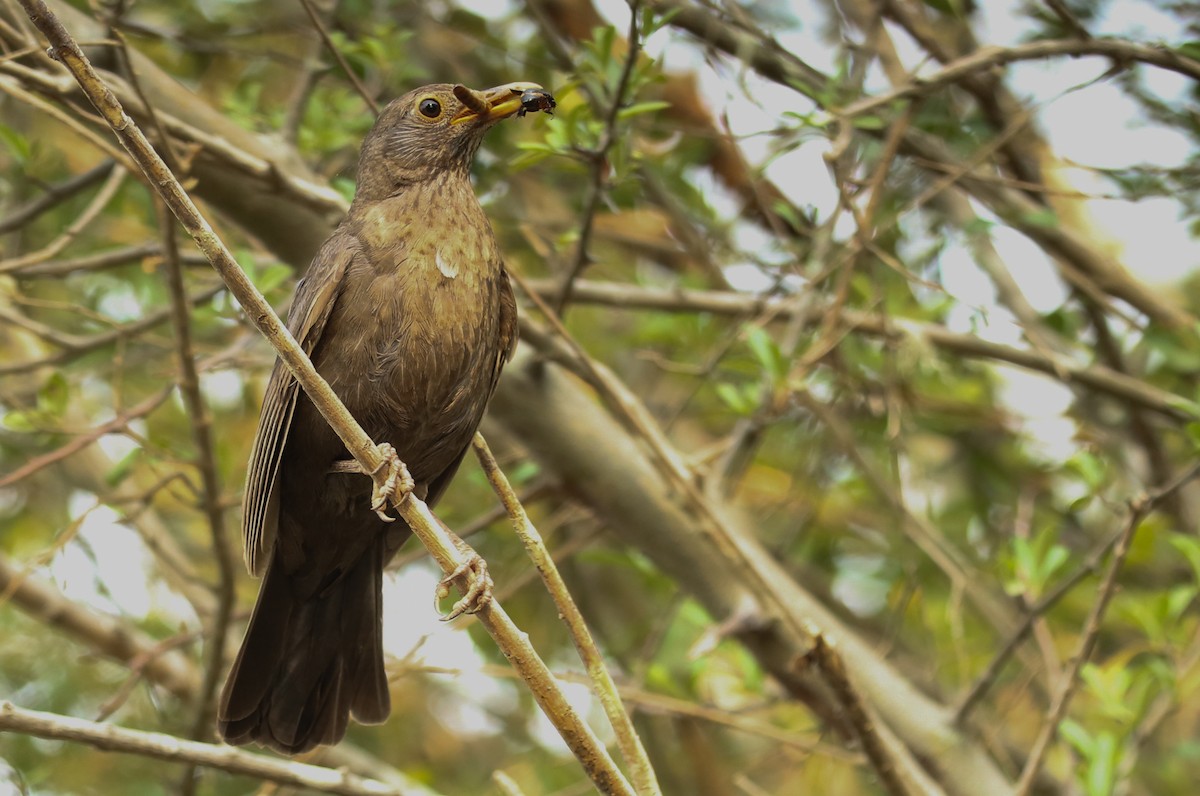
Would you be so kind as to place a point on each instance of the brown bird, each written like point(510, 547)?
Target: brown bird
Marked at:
point(408, 313)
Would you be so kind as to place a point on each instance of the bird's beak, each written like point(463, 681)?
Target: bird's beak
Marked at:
point(492, 104)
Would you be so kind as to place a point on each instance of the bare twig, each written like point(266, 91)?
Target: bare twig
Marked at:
point(602, 683)
point(77, 347)
point(83, 440)
point(56, 194)
point(1070, 246)
point(319, 25)
point(826, 658)
point(304, 191)
point(13, 89)
point(105, 195)
point(988, 57)
point(920, 532)
point(167, 747)
point(206, 462)
point(976, 693)
point(1068, 18)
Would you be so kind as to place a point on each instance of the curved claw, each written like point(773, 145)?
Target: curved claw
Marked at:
point(399, 481)
point(477, 588)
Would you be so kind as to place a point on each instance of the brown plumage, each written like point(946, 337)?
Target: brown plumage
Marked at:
point(408, 314)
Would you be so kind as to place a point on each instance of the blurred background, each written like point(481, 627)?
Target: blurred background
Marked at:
point(880, 316)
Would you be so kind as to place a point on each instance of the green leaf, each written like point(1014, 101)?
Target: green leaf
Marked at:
point(1190, 547)
point(641, 107)
point(1193, 432)
point(1179, 599)
point(737, 399)
point(1074, 733)
point(1189, 49)
point(1041, 218)
point(121, 470)
point(767, 353)
point(52, 398)
point(1089, 467)
point(273, 276)
point(16, 143)
point(22, 422)
point(1102, 768)
point(527, 159)
point(652, 21)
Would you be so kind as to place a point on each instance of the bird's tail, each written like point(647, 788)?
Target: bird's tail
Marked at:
point(306, 664)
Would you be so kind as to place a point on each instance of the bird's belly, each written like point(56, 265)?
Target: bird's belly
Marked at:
point(422, 385)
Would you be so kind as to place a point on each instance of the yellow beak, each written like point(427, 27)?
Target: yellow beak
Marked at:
point(500, 102)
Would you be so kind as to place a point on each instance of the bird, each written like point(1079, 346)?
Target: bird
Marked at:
point(408, 313)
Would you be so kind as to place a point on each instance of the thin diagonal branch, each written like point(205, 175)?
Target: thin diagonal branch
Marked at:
point(602, 683)
point(319, 25)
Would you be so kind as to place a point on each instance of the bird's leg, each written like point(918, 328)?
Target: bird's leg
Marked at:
point(398, 482)
point(471, 577)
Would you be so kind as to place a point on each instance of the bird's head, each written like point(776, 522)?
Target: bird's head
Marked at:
point(433, 131)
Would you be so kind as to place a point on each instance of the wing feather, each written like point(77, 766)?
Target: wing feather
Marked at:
point(316, 295)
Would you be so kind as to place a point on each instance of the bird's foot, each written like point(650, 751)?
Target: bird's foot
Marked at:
point(398, 482)
point(473, 580)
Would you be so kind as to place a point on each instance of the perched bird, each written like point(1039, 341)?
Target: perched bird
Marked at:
point(408, 313)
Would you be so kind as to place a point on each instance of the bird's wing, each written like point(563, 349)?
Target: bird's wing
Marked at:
point(316, 294)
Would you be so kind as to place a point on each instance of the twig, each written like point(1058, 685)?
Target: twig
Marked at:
point(95, 261)
point(977, 691)
point(56, 194)
point(828, 661)
point(206, 462)
point(11, 88)
point(1068, 18)
point(600, 164)
point(506, 784)
point(83, 440)
point(120, 641)
point(632, 751)
point(1070, 246)
point(1095, 377)
point(655, 703)
point(106, 635)
point(919, 531)
point(988, 57)
point(98, 203)
point(1139, 508)
point(341, 59)
point(514, 644)
point(77, 347)
point(167, 747)
point(320, 197)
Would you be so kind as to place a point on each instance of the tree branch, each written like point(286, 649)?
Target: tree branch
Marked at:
point(167, 747)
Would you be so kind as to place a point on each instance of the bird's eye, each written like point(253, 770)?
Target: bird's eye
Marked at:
point(430, 108)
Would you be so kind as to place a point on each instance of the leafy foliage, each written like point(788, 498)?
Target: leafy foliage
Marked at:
point(842, 394)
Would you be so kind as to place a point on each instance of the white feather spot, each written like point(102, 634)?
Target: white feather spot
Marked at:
point(449, 270)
